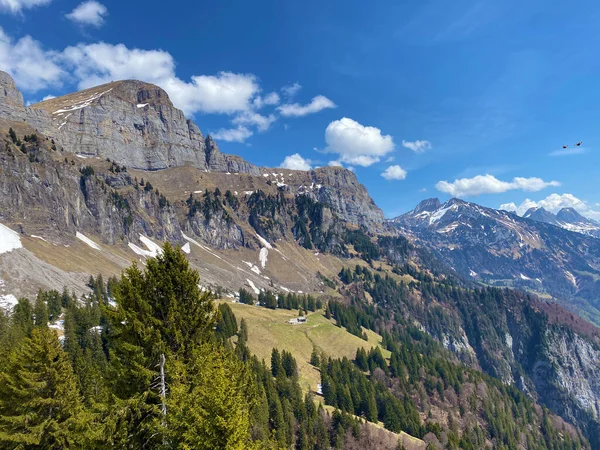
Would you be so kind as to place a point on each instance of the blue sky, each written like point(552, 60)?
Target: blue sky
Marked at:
point(490, 89)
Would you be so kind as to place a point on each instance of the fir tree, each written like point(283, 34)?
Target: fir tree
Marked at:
point(40, 405)
point(40, 311)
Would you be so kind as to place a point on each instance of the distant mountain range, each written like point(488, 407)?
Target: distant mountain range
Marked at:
point(566, 218)
point(552, 255)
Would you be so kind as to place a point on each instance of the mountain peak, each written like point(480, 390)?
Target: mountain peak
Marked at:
point(539, 214)
point(430, 204)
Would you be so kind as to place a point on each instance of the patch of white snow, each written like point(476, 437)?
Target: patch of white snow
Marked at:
point(9, 240)
point(87, 240)
point(254, 288)
point(262, 256)
point(264, 242)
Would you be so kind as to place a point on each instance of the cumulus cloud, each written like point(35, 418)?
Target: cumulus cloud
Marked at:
point(262, 123)
point(28, 63)
point(291, 90)
point(554, 203)
point(519, 209)
point(334, 163)
point(268, 100)
point(224, 93)
point(295, 162)
point(239, 134)
point(16, 6)
point(417, 146)
point(394, 173)
point(489, 184)
point(317, 104)
point(89, 13)
point(355, 143)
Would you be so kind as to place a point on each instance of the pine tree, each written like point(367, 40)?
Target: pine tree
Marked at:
point(276, 365)
point(208, 404)
point(40, 405)
point(40, 311)
point(160, 312)
point(314, 357)
point(22, 317)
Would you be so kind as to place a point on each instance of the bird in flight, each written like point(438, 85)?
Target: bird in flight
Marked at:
point(565, 146)
point(578, 144)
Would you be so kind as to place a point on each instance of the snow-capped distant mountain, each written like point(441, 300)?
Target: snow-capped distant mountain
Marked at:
point(500, 248)
point(566, 218)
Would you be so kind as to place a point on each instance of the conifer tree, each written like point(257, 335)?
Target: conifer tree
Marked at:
point(208, 404)
point(160, 313)
point(40, 405)
point(40, 311)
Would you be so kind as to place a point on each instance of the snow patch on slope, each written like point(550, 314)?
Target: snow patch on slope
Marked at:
point(254, 288)
point(9, 240)
point(87, 240)
point(8, 302)
point(264, 242)
point(153, 249)
point(262, 256)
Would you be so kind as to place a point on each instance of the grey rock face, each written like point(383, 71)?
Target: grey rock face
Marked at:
point(340, 189)
point(216, 231)
point(11, 100)
point(570, 367)
point(219, 162)
point(130, 122)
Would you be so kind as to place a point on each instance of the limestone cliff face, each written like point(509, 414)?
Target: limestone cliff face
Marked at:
point(567, 374)
point(130, 122)
point(336, 187)
point(11, 99)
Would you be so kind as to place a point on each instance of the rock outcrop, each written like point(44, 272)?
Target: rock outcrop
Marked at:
point(130, 122)
point(11, 99)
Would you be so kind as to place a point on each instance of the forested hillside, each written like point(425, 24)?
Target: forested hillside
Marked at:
point(149, 361)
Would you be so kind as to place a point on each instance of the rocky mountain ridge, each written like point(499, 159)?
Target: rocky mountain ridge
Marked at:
point(567, 218)
point(500, 248)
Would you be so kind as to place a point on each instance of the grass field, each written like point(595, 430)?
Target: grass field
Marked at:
point(268, 329)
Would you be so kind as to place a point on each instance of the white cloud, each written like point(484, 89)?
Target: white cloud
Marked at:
point(417, 146)
point(89, 13)
point(295, 162)
point(239, 134)
point(520, 209)
point(569, 151)
point(15, 6)
point(394, 173)
point(355, 143)
point(270, 99)
point(488, 184)
point(253, 118)
point(224, 93)
point(334, 164)
point(317, 104)
point(291, 90)
point(28, 63)
point(554, 203)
